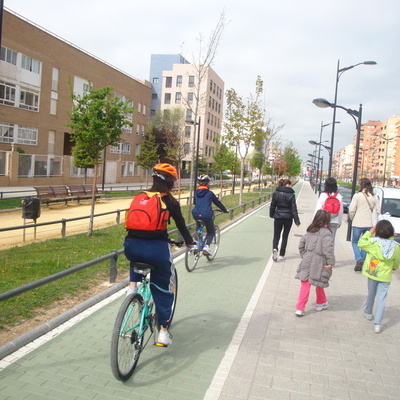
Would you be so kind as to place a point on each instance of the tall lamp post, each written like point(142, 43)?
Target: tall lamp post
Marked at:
point(319, 171)
point(319, 144)
point(356, 115)
point(339, 72)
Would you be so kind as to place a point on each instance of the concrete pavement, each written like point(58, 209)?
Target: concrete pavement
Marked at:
point(235, 334)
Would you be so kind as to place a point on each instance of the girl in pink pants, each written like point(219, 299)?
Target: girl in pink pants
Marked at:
point(315, 268)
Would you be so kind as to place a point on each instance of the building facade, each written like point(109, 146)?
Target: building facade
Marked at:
point(176, 83)
point(38, 71)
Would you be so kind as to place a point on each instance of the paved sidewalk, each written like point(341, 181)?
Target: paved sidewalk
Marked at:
point(333, 354)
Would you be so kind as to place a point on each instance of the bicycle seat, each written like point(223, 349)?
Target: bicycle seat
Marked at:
point(141, 267)
point(200, 221)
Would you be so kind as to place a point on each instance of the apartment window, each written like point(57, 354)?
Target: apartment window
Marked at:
point(187, 131)
point(51, 142)
point(211, 85)
point(7, 93)
point(155, 80)
point(137, 129)
point(168, 81)
point(53, 107)
point(27, 135)
point(190, 97)
point(86, 87)
point(6, 133)
point(30, 64)
point(179, 80)
point(143, 130)
point(121, 148)
point(167, 98)
point(139, 108)
point(191, 80)
point(29, 100)
point(54, 79)
point(189, 115)
point(154, 96)
point(209, 101)
point(8, 55)
point(178, 97)
point(144, 109)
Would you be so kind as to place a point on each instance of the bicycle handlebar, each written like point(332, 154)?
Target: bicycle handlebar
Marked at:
point(175, 243)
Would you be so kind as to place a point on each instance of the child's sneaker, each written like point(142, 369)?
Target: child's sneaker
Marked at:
point(164, 338)
point(369, 317)
point(207, 250)
point(275, 255)
point(130, 290)
point(320, 307)
point(300, 313)
point(377, 328)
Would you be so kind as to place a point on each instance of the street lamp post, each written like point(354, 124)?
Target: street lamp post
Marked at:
point(356, 115)
point(339, 72)
point(319, 144)
point(319, 171)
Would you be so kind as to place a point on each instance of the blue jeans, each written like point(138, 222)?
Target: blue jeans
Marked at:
point(379, 290)
point(356, 234)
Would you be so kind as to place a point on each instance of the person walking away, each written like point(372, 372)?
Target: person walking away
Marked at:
point(283, 209)
point(330, 200)
point(383, 257)
point(152, 247)
point(363, 206)
point(203, 200)
point(315, 268)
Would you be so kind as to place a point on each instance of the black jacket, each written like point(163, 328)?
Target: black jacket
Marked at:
point(283, 204)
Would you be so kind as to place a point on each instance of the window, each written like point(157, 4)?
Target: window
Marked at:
point(154, 96)
point(167, 98)
point(7, 93)
point(178, 97)
point(8, 55)
point(29, 100)
point(187, 131)
point(6, 133)
point(139, 108)
point(179, 80)
point(143, 130)
point(144, 109)
point(190, 97)
point(155, 80)
point(137, 129)
point(211, 85)
point(121, 148)
point(27, 135)
point(54, 80)
point(168, 81)
point(189, 115)
point(30, 64)
point(191, 80)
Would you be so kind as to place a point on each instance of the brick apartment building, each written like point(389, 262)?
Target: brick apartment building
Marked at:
point(37, 72)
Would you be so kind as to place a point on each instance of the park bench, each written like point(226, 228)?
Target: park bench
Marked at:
point(82, 192)
point(53, 194)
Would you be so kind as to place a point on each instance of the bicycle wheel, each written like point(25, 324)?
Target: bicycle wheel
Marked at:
point(127, 340)
point(192, 256)
point(214, 245)
point(174, 290)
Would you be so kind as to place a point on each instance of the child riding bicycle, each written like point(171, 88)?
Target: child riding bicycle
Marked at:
point(152, 247)
point(203, 199)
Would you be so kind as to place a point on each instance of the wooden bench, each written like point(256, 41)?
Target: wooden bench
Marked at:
point(53, 194)
point(82, 192)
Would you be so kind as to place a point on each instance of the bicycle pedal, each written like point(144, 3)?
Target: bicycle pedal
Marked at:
point(160, 344)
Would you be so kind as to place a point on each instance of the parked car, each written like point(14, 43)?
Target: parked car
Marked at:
point(389, 200)
point(346, 195)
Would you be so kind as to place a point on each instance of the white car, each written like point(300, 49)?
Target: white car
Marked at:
point(389, 200)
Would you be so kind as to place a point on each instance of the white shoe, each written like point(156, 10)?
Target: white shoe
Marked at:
point(275, 255)
point(281, 258)
point(320, 307)
point(300, 313)
point(369, 317)
point(206, 250)
point(164, 338)
point(377, 328)
point(130, 290)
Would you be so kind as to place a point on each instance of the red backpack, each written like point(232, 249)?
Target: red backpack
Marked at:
point(147, 213)
point(332, 204)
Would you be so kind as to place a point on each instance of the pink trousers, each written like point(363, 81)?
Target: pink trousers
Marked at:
point(304, 294)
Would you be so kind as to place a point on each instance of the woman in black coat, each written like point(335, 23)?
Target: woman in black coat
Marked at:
point(284, 210)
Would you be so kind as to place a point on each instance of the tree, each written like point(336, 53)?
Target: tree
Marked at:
point(148, 155)
point(97, 119)
point(257, 161)
point(224, 160)
point(292, 160)
point(245, 123)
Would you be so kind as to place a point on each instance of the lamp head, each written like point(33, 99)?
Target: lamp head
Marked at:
point(369, 63)
point(322, 103)
point(313, 142)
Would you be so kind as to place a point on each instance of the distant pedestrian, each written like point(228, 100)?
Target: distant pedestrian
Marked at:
point(284, 210)
point(331, 200)
point(363, 211)
point(316, 250)
point(383, 256)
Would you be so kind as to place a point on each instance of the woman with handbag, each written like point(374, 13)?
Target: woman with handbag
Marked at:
point(363, 212)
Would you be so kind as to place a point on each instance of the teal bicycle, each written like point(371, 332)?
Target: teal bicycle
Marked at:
point(136, 322)
point(193, 254)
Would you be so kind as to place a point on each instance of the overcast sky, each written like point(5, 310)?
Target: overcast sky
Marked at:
point(294, 45)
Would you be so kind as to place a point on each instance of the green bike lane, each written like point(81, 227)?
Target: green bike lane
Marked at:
point(211, 301)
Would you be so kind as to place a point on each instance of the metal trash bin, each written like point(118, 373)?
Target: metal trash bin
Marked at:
point(31, 208)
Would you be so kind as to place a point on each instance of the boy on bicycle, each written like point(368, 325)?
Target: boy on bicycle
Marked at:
point(203, 199)
point(152, 247)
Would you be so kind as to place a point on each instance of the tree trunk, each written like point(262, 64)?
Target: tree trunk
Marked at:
point(90, 229)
